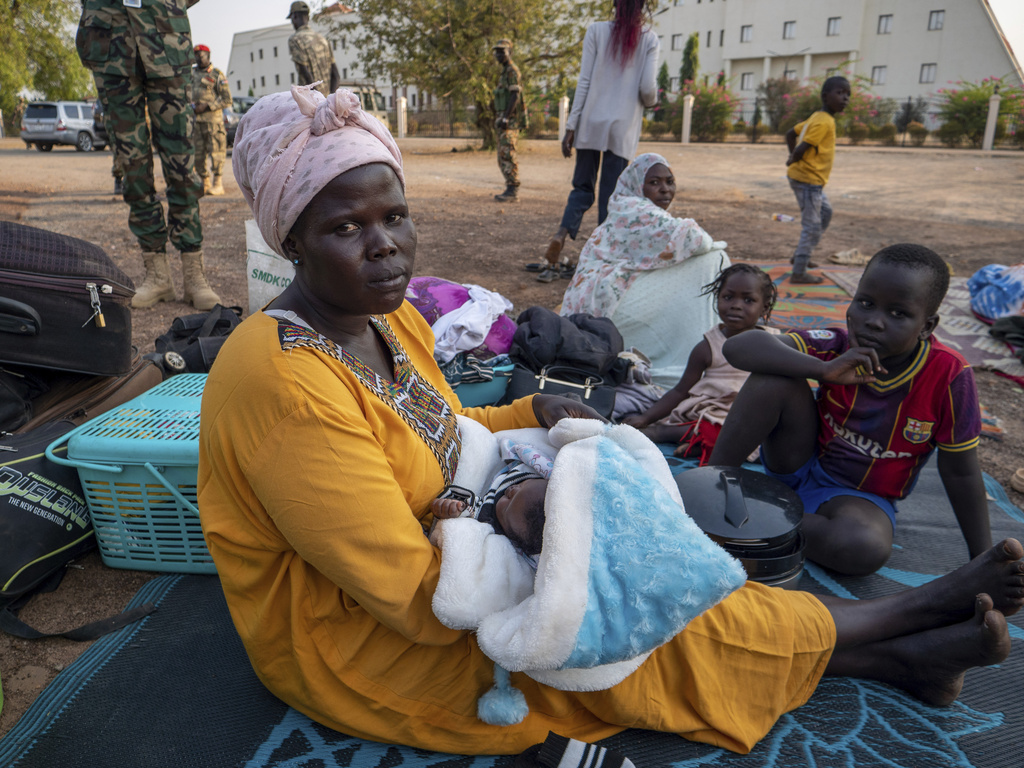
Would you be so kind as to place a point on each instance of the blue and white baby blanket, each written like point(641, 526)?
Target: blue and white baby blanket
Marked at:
point(622, 570)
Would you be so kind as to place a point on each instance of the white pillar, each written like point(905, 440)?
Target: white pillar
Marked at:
point(807, 67)
point(854, 55)
point(727, 69)
point(990, 123)
point(563, 116)
point(401, 117)
point(767, 71)
point(687, 117)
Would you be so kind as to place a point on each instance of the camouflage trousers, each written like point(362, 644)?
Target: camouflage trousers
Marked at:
point(211, 142)
point(169, 129)
point(116, 165)
point(507, 156)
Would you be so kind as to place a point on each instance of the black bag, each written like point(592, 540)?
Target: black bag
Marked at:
point(44, 525)
point(193, 341)
point(64, 304)
point(18, 388)
point(577, 384)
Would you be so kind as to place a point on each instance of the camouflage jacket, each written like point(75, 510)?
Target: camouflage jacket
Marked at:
point(509, 87)
point(112, 37)
point(312, 51)
point(210, 86)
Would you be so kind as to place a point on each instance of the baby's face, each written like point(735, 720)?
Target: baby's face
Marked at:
point(511, 508)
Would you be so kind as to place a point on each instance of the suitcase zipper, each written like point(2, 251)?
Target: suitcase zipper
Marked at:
point(74, 286)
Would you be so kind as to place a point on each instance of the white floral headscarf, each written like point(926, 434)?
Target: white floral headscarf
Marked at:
point(637, 236)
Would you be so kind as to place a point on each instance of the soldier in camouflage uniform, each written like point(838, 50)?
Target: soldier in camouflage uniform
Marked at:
point(141, 52)
point(311, 52)
point(508, 102)
point(210, 96)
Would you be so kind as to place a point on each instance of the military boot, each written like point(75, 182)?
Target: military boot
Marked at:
point(510, 195)
point(157, 286)
point(197, 291)
point(217, 188)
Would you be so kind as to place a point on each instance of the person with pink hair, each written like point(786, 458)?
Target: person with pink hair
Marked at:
point(616, 81)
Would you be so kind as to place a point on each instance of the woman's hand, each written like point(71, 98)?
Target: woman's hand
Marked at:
point(550, 409)
point(567, 142)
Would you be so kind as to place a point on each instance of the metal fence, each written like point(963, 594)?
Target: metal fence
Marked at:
point(439, 122)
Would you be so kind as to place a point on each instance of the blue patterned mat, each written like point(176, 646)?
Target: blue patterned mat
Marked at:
point(176, 690)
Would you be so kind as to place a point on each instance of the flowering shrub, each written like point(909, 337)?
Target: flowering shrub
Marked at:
point(864, 107)
point(918, 133)
point(857, 132)
point(964, 109)
point(713, 108)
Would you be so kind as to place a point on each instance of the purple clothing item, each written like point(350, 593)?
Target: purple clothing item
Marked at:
point(435, 297)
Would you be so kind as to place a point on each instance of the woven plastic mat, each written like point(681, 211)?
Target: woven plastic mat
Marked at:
point(176, 689)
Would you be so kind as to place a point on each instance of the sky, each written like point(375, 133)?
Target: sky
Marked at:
point(215, 22)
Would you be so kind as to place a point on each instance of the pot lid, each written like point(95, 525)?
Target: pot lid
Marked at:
point(735, 504)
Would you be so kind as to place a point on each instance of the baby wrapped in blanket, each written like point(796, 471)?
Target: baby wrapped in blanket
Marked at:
point(622, 568)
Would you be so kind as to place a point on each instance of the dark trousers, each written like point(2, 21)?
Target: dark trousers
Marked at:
point(584, 177)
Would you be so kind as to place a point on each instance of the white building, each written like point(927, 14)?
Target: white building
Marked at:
point(908, 48)
point(260, 63)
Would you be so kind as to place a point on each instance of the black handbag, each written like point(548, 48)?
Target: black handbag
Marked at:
point(193, 341)
point(577, 384)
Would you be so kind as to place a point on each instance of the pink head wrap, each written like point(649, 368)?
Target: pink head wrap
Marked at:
point(289, 146)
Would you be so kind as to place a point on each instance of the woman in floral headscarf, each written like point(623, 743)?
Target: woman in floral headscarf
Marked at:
point(326, 432)
point(639, 235)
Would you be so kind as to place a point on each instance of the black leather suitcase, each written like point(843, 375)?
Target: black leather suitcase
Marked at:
point(64, 304)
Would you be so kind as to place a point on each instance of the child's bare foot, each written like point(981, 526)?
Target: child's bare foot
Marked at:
point(934, 662)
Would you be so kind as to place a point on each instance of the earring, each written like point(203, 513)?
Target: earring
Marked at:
point(295, 262)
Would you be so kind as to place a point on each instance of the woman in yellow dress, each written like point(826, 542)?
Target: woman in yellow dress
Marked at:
point(327, 430)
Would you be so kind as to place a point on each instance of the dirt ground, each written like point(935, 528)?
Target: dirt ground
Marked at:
point(964, 204)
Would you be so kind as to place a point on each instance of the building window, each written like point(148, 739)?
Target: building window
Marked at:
point(789, 74)
point(251, 57)
point(344, 73)
point(254, 82)
point(263, 82)
point(936, 19)
point(277, 79)
point(391, 102)
point(928, 73)
point(788, 30)
point(673, 84)
point(343, 43)
point(721, 38)
point(292, 78)
point(709, 39)
point(261, 53)
point(239, 86)
point(747, 81)
point(885, 24)
point(746, 33)
point(334, 45)
point(833, 26)
point(275, 51)
point(413, 100)
point(677, 42)
point(878, 75)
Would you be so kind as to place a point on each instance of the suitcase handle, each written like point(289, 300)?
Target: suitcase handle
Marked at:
point(19, 318)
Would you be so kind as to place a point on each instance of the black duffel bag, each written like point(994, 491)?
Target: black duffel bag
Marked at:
point(577, 384)
point(193, 341)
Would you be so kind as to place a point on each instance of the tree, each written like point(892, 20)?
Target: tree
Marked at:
point(39, 54)
point(444, 47)
point(914, 111)
point(664, 86)
point(691, 59)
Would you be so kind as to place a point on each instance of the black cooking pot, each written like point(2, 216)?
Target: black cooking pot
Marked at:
point(754, 517)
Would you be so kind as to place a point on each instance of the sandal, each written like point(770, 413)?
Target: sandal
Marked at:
point(850, 258)
point(536, 266)
point(810, 264)
point(805, 279)
point(566, 270)
point(548, 275)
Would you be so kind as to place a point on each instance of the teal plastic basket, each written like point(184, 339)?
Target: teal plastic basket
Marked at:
point(138, 465)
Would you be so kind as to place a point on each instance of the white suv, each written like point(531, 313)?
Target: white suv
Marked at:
point(46, 123)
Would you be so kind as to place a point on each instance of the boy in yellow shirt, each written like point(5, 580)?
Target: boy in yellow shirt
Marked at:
point(812, 146)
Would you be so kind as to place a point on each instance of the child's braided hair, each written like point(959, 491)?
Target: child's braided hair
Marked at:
point(768, 289)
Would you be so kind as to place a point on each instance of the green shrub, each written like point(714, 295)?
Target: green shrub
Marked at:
point(887, 134)
point(857, 132)
point(739, 126)
point(762, 131)
point(657, 129)
point(951, 133)
point(918, 133)
point(551, 124)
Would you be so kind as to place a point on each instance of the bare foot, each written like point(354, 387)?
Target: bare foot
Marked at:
point(934, 662)
point(999, 572)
